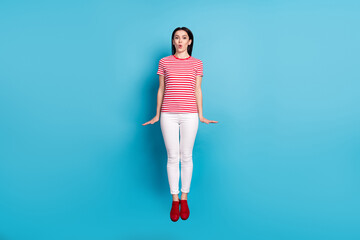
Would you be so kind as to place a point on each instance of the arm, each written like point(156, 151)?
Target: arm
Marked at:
point(160, 97)
point(160, 94)
point(198, 94)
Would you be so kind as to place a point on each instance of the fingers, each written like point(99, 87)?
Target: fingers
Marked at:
point(209, 121)
point(149, 122)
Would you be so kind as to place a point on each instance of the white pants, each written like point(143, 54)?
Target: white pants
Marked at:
point(170, 124)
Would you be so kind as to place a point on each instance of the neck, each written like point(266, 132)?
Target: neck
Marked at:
point(182, 55)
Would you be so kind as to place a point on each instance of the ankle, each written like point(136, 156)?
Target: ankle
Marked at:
point(175, 197)
point(183, 196)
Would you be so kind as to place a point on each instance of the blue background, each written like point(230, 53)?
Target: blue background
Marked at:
point(78, 78)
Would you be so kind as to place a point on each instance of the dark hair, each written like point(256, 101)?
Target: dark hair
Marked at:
point(189, 48)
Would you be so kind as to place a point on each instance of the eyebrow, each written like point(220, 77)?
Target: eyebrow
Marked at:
point(180, 36)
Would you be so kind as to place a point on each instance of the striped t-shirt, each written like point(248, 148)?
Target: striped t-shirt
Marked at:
point(180, 78)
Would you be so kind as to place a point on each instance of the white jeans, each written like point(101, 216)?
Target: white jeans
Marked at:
point(170, 124)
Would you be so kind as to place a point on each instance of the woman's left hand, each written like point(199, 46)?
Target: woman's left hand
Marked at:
point(204, 120)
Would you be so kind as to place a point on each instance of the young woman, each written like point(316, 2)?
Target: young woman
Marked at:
point(179, 100)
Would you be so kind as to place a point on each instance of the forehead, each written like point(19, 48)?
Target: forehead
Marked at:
point(181, 33)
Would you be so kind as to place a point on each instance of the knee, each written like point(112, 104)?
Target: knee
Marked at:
point(173, 157)
point(186, 156)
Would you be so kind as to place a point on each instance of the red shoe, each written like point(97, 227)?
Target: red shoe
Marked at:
point(174, 213)
point(184, 211)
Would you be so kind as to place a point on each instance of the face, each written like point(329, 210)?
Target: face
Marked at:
point(181, 41)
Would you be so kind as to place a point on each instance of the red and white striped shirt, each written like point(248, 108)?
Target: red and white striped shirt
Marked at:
point(180, 78)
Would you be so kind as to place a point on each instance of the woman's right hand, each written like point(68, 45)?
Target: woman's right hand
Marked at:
point(152, 121)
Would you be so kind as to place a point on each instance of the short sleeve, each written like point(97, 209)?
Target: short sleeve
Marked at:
point(199, 68)
point(160, 70)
